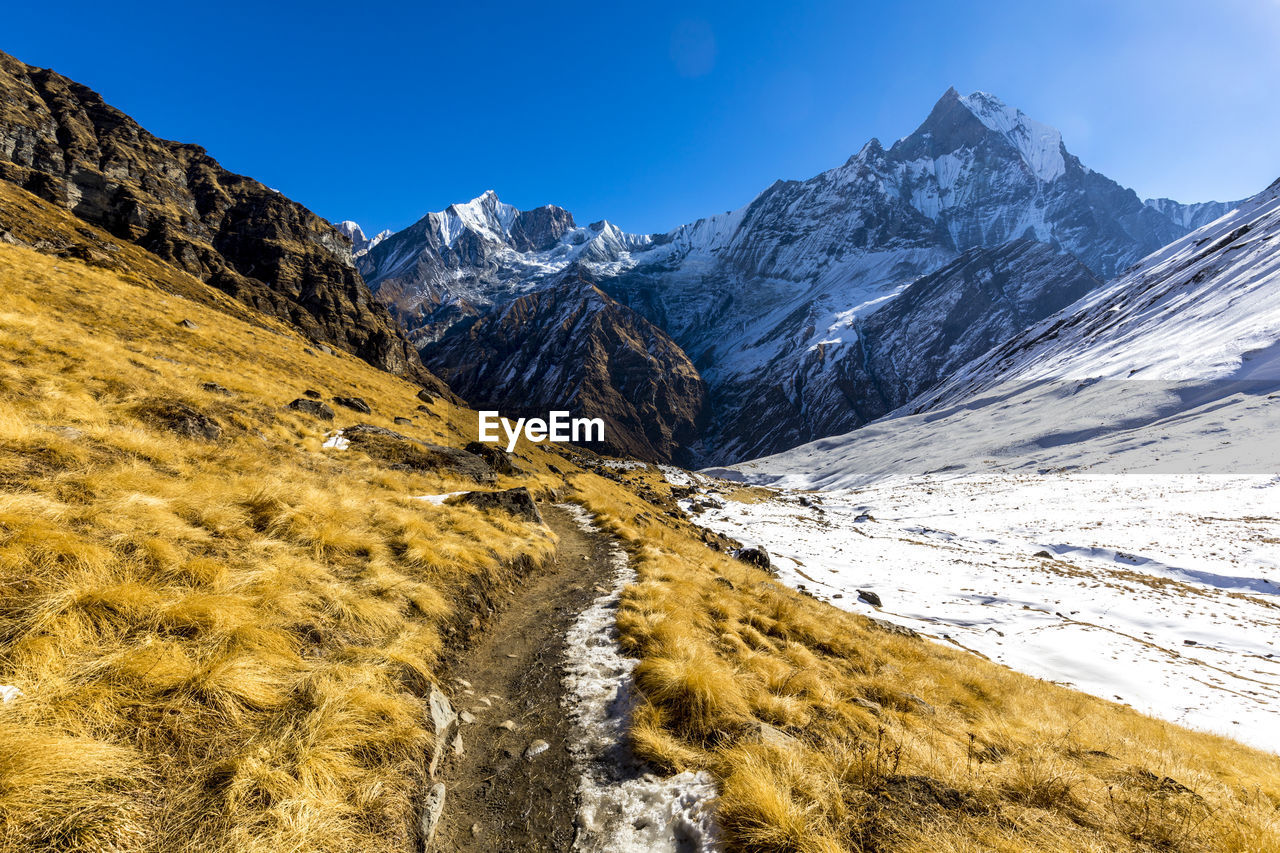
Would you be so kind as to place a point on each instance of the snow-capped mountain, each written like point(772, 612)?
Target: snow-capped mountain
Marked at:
point(771, 301)
point(467, 258)
point(951, 316)
point(755, 296)
point(1172, 367)
point(360, 244)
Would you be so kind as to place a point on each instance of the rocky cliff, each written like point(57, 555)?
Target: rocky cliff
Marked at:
point(60, 141)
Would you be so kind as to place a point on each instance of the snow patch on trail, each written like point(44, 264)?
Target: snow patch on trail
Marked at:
point(623, 806)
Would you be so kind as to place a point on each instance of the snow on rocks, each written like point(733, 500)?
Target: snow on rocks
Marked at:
point(8, 693)
point(623, 808)
point(335, 441)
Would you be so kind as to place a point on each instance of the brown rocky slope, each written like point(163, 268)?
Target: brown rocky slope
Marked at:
point(62, 142)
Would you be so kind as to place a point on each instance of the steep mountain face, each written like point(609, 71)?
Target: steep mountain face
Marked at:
point(470, 257)
point(63, 143)
point(1205, 308)
point(567, 345)
point(772, 301)
point(934, 326)
point(1191, 216)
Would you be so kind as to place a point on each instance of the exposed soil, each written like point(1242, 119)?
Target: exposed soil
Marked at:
point(497, 797)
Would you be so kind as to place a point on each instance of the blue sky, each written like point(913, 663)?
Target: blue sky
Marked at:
point(654, 114)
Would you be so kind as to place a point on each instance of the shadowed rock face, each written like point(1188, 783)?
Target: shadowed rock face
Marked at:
point(931, 329)
point(60, 141)
point(567, 345)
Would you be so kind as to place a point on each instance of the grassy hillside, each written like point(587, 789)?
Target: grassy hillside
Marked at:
point(221, 643)
point(224, 643)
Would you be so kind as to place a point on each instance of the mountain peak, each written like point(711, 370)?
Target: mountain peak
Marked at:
point(965, 121)
point(351, 230)
point(360, 244)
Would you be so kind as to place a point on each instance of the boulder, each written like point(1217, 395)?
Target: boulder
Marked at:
point(426, 396)
point(869, 597)
point(771, 736)
point(756, 556)
point(187, 324)
point(214, 388)
point(407, 454)
point(890, 628)
point(917, 704)
point(355, 404)
point(311, 407)
point(495, 457)
point(516, 501)
point(179, 418)
point(403, 422)
point(312, 393)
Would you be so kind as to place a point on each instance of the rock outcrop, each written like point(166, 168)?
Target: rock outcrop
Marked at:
point(408, 454)
point(518, 502)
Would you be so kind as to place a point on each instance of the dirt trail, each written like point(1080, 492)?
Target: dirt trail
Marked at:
point(498, 798)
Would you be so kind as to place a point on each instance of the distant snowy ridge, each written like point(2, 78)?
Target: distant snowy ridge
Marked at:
point(458, 262)
point(1205, 307)
point(1039, 144)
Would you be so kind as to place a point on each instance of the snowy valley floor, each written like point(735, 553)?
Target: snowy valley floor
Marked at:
point(1162, 592)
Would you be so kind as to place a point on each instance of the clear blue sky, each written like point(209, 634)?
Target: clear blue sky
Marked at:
point(653, 114)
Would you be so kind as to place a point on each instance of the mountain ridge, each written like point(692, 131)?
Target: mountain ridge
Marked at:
point(753, 294)
point(62, 142)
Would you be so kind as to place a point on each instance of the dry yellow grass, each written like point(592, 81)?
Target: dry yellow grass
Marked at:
point(222, 645)
point(885, 742)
